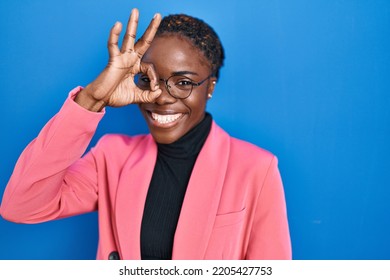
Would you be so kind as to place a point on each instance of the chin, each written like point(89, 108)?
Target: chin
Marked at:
point(165, 137)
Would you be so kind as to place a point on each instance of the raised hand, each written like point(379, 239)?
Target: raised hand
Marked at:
point(115, 84)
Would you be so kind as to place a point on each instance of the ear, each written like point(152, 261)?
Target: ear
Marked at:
point(211, 86)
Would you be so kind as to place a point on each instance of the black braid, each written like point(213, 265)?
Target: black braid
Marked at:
point(201, 35)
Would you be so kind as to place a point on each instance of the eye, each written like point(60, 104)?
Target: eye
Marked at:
point(184, 83)
point(143, 82)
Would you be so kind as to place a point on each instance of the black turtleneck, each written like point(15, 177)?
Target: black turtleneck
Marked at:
point(167, 189)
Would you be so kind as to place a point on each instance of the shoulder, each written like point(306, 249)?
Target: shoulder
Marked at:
point(121, 139)
point(245, 158)
point(248, 149)
point(121, 143)
point(243, 149)
point(249, 154)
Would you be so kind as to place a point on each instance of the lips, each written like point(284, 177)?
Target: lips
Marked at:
point(165, 119)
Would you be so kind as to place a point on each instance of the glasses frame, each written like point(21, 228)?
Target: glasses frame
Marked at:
point(167, 86)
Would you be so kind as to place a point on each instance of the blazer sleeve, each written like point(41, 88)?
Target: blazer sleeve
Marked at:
point(50, 179)
point(270, 237)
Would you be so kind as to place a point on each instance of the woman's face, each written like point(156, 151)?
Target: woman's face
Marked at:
point(169, 118)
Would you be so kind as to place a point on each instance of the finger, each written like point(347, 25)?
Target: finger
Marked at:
point(144, 42)
point(148, 69)
point(146, 96)
point(131, 31)
point(112, 43)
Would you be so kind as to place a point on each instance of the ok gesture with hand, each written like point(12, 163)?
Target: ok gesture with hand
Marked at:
point(115, 85)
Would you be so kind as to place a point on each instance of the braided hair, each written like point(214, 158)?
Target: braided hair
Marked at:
point(199, 33)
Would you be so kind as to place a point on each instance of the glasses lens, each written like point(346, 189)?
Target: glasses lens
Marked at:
point(177, 86)
point(180, 86)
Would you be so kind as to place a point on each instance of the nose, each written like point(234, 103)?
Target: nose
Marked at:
point(165, 97)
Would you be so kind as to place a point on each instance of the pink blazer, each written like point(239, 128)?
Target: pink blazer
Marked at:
point(234, 207)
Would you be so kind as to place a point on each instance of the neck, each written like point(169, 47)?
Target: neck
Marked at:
point(191, 143)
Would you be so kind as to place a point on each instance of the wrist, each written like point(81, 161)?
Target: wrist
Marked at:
point(87, 101)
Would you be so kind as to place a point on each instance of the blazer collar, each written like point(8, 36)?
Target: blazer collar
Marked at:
point(200, 203)
point(131, 196)
point(202, 197)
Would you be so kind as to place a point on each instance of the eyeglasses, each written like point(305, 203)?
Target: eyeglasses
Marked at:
point(177, 86)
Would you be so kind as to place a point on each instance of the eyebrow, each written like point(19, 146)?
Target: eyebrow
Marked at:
point(180, 73)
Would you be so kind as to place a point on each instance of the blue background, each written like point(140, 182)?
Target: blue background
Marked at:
point(307, 80)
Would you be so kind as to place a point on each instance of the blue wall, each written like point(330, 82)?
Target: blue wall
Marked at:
point(307, 80)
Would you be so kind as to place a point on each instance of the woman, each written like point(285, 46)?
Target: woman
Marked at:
point(187, 190)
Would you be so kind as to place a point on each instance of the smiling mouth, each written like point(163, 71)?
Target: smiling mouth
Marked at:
point(165, 119)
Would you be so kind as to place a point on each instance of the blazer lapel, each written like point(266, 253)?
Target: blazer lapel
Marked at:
point(202, 197)
point(131, 195)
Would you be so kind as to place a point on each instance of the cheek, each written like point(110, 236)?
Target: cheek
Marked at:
point(196, 104)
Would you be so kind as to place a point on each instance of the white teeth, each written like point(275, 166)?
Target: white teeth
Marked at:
point(165, 118)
